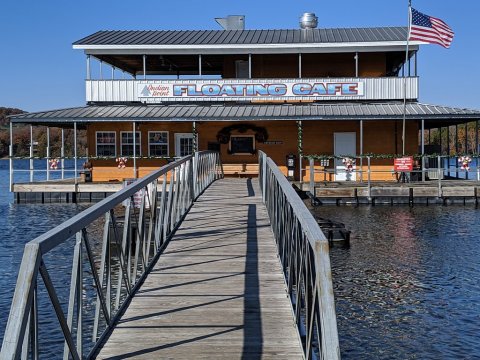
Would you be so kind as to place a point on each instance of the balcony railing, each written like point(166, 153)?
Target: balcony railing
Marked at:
point(158, 91)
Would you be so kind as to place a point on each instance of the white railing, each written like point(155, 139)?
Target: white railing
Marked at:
point(114, 247)
point(119, 91)
point(303, 250)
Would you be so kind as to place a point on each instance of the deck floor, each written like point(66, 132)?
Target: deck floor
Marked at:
point(217, 292)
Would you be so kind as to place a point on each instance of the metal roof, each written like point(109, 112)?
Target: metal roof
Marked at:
point(244, 37)
point(246, 112)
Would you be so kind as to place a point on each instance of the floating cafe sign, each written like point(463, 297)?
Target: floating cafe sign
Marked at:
point(250, 90)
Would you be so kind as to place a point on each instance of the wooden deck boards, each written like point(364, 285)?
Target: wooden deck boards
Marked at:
point(217, 292)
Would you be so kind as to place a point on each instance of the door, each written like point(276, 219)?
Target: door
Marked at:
point(183, 144)
point(344, 146)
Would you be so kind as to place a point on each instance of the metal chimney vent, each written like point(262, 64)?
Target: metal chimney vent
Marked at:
point(308, 21)
point(232, 22)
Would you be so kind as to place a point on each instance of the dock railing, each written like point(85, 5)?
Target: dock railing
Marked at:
point(129, 229)
point(438, 168)
point(303, 250)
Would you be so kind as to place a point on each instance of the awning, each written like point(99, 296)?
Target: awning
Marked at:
point(434, 114)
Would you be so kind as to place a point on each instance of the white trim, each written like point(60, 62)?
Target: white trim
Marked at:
point(177, 138)
point(114, 143)
point(139, 143)
point(235, 135)
point(249, 48)
point(168, 141)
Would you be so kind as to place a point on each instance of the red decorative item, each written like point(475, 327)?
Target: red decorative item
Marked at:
point(121, 162)
point(465, 161)
point(53, 163)
point(348, 163)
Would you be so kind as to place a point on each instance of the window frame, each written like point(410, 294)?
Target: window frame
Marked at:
point(167, 143)
point(242, 153)
point(139, 143)
point(114, 143)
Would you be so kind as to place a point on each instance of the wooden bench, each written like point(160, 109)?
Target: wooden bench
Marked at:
point(240, 169)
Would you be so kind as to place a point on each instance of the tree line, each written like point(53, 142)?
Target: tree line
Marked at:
point(21, 138)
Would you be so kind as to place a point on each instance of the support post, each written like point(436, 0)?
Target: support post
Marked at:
point(101, 70)
point(456, 151)
point(89, 72)
point(369, 180)
point(48, 153)
point(312, 176)
point(439, 174)
point(299, 65)
point(10, 160)
point(144, 67)
point(300, 149)
point(31, 153)
point(361, 150)
point(416, 65)
point(476, 137)
point(200, 65)
point(249, 66)
point(75, 155)
point(195, 142)
point(356, 64)
point(134, 151)
point(423, 150)
point(62, 153)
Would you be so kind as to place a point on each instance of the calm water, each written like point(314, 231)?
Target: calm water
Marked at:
point(408, 287)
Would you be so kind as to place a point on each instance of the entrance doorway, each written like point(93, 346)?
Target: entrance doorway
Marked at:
point(345, 144)
point(183, 144)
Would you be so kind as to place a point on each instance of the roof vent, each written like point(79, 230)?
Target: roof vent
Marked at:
point(232, 22)
point(308, 21)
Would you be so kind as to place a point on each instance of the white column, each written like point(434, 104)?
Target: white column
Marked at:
point(249, 66)
point(422, 142)
point(10, 160)
point(300, 66)
point(200, 65)
point(361, 150)
point(31, 153)
point(62, 153)
point(144, 67)
point(356, 64)
point(134, 152)
point(101, 70)
point(48, 153)
point(89, 73)
point(75, 154)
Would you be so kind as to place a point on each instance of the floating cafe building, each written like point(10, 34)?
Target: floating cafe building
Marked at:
point(310, 98)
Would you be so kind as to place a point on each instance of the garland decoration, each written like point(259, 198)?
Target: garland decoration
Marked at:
point(53, 163)
point(465, 161)
point(300, 138)
point(121, 162)
point(223, 136)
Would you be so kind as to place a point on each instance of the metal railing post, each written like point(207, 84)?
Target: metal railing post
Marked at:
point(10, 157)
point(48, 153)
point(439, 178)
point(31, 154)
point(312, 176)
point(369, 180)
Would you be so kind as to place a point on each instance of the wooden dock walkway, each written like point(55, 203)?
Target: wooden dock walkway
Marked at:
point(217, 292)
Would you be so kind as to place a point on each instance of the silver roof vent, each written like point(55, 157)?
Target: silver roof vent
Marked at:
point(308, 21)
point(232, 22)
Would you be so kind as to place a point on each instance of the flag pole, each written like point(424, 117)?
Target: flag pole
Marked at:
point(405, 76)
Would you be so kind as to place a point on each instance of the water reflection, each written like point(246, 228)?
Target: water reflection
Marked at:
point(408, 285)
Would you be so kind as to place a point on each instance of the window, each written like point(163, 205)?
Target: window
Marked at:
point(242, 144)
point(158, 143)
point(106, 143)
point(183, 144)
point(126, 145)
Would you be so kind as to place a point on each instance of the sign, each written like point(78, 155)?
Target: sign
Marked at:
point(403, 164)
point(273, 142)
point(251, 89)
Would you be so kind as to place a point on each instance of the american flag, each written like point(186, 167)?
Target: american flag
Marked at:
point(429, 29)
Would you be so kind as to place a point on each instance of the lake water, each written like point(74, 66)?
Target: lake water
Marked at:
point(409, 285)
point(407, 288)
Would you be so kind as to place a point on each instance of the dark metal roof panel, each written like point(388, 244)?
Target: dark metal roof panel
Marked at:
point(245, 112)
point(215, 37)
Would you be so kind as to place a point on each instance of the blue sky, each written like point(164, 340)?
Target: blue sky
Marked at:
point(41, 71)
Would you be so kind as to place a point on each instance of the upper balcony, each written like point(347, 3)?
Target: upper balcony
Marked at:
point(264, 89)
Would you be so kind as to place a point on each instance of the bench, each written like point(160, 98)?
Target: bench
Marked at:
point(240, 169)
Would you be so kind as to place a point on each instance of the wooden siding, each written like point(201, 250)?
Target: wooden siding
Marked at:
point(380, 137)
